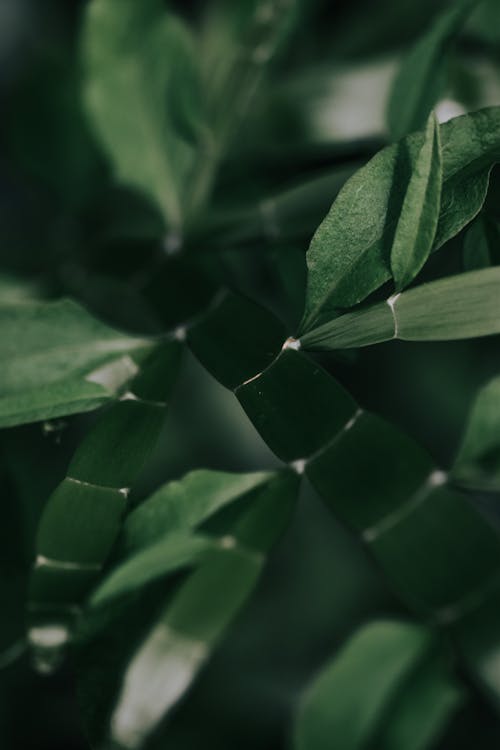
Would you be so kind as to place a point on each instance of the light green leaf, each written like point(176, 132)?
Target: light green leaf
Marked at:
point(419, 217)
point(457, 307)
point(478, 459)
point(356, 698)
point(142, 95)
point(57, 359)
point(184, 504)
point(422, 76)
point(175, 551)
point(349, 255)
point(179, 644)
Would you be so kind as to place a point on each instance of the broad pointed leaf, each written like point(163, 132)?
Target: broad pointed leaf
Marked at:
point(349, 256)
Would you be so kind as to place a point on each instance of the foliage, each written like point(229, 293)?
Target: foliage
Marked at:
point(184, 243)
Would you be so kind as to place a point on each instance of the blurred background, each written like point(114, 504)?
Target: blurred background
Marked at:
point(66, 228)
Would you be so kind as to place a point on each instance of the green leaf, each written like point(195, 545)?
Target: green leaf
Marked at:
point(236, 339)
point(422, 76)
point(419, 216)
point(364, 693)
point(349, 255)
point(481, 245)
point(184, 636)
point(57, 359)
point(143, 98)
point(478, 460)
point(456, 307)
point(83, 515)
point(238, 41)
point(183, 505)
point(296, 406)
point(178, 646)
point(175, 551)
point(419, 713)
point(385, 486)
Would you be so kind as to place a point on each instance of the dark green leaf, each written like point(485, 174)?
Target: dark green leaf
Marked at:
point(481, 245)
point(236, 339)
point(83, 515)
point(422, 76)
point(478, 459)
point(296, 406)
point(359, 696)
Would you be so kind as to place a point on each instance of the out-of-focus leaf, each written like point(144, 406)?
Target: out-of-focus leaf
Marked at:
point(14, 289)
point(171, 654)
point(420, 712)
point(419, 216)
point(456, 307)
point(143, 98)
point(172, 553)
point(83, 515)
point(421, 77)
point(290, 215)
point(349, 254)
point(182, 505)
point(57, 359)
point(237, 41)
point(478, 459)
point(376, 691)
point(481, 245)
point(485, 21)
point(175, 650)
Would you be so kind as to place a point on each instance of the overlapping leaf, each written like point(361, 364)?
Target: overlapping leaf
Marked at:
point(57, 359)
point(358, 699)
point(171, 653)
point(142, 94)
point(83, 515)
point(349, 256)
point(456, 307)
